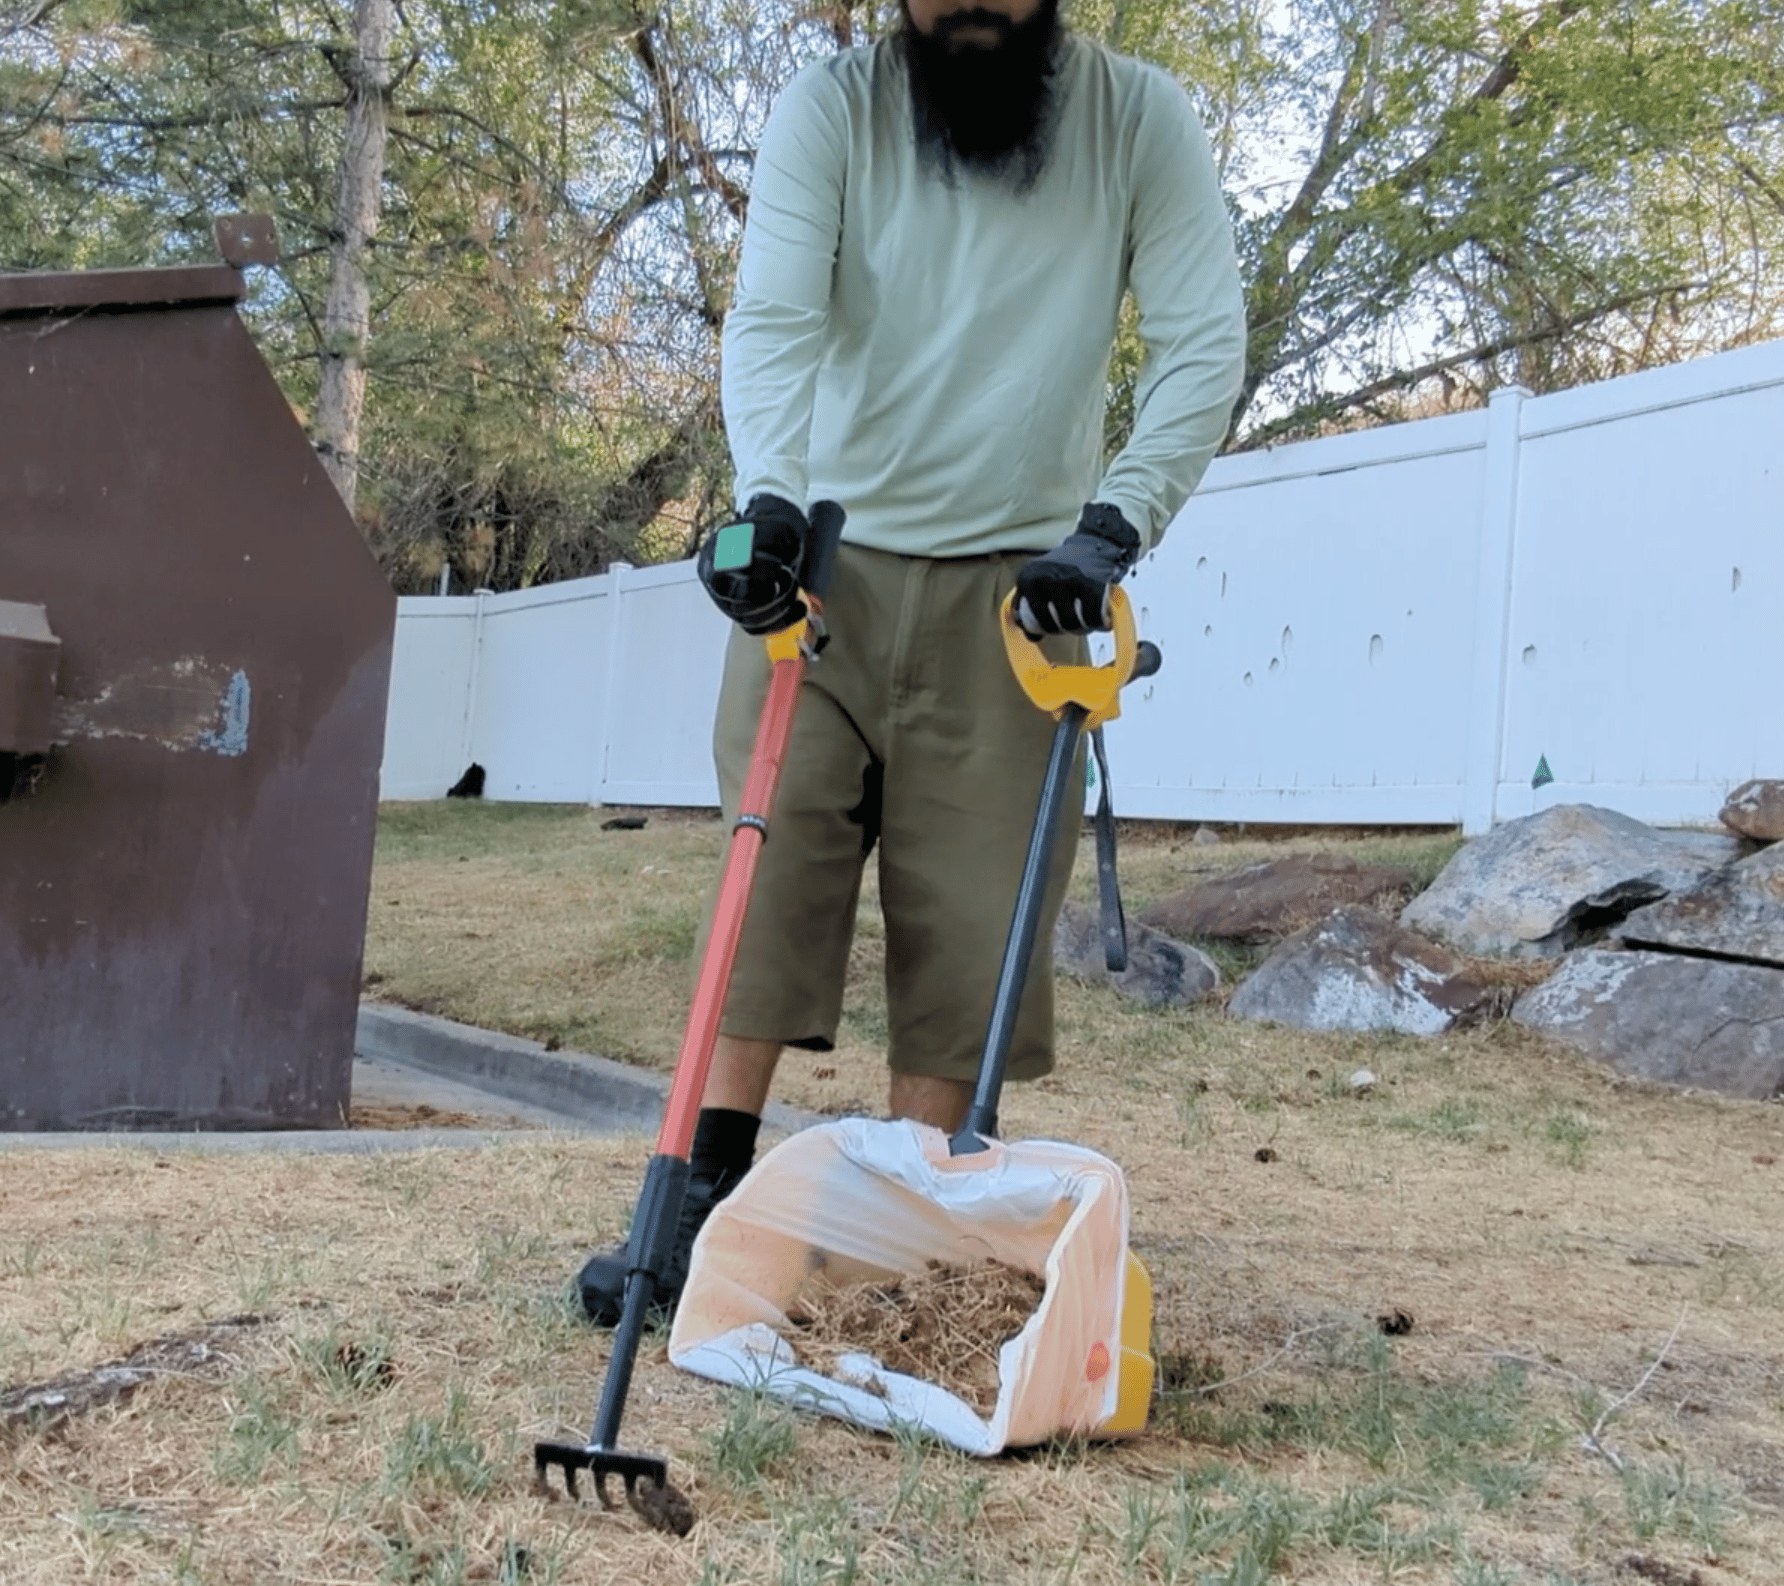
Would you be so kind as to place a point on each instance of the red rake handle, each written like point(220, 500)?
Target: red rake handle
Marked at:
point(691, 1068)
point(773, 733)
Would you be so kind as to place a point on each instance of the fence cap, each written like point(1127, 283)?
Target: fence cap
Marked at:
point(48, 291)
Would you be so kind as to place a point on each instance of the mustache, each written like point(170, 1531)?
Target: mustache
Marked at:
point(949, 26)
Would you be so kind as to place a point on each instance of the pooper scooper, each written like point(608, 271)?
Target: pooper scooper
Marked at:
point(868, 1200)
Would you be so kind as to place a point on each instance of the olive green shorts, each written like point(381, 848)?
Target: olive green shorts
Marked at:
point(912, 737)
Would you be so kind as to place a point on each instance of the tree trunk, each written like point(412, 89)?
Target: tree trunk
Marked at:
point(346, 320)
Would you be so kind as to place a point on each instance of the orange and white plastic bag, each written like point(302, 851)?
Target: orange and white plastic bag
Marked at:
point(859, 1200)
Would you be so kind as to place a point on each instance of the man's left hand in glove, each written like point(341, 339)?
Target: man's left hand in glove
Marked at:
point(1067, 590)
point(752, 568)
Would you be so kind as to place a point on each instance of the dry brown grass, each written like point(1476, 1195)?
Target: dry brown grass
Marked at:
point(1548, 1229)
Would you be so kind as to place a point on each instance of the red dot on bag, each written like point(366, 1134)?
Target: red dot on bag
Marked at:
point(1097, 1367)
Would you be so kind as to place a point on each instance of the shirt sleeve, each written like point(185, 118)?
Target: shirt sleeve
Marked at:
point(1184, 275)
point(774, 332)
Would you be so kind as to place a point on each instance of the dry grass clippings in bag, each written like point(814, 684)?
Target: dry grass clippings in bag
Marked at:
point(944, 1325)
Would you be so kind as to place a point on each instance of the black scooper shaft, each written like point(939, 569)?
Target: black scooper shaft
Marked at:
point(981, 1118)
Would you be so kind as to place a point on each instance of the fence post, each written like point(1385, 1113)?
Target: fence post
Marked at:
point(610, 692)
point(1492, 610)
point(469, 744)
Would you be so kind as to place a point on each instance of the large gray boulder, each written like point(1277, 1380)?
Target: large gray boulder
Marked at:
point(1358, 970)
point(1268, 901)
point(1735, 912)
point(1537, 886)
point(1756, 809)
point(1160, 973)
point(1696, 1022)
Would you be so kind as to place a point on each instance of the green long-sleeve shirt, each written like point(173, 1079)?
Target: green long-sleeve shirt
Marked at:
point(934, 354)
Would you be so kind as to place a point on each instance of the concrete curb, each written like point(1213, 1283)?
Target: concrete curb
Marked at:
point(226, 1142)
point(579, 1087)
point(566, 1094)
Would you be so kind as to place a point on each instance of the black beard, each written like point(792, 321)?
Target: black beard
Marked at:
point(988, 108)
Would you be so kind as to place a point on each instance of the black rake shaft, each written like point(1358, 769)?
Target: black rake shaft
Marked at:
point(981, 1118)
point(653, 1235)
point(600, 1454)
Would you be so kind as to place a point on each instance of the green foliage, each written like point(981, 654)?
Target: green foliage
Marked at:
point(1434, 200)
point(1429, 200)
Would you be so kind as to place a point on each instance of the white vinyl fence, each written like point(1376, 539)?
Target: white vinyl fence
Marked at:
point(1389, 627)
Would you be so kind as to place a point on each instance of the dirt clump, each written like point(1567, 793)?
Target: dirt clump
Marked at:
point(943, 1325)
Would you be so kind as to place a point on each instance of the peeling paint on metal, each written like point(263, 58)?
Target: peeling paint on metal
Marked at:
point(180, 705)
point(233, 739)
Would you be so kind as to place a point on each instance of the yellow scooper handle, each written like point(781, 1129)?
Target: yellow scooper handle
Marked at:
point(1097, 689)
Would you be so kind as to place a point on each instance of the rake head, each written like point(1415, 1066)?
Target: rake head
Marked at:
point(646, 1478)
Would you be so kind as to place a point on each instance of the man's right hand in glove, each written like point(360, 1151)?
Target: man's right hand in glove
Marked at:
point(752, 567)
point(1067, 590)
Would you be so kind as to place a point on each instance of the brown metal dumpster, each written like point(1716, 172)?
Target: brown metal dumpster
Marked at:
point(185, 853)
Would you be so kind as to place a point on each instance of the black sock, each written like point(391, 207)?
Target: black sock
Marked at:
point(724, 1143)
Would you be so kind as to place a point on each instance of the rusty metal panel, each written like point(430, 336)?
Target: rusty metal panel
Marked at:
point(29, 652)
point(183, 889)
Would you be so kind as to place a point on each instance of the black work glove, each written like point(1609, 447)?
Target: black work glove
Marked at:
point(1067, 590)
point(751, 567)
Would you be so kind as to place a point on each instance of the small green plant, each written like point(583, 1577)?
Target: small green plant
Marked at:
point(1233, 959)
point(1670, 1498)
point(350, 1367)
point(1272, 1519)
point(409, 1564)
point(1246, 1569)
point(501, 1254)
point(970, 1498)
point(1471, 1571)
point(1194, 1528)
point(1355, 1519)
point(260, 1434)
point(818, 1546)
point(1569, 1132)
point(1499, 1484)
point(260, 1279)
point(19, 1260)
point(440, 1451)
point(1142, 1515)
point(1455, 1119)
point(758, 1434)
point(1195, 1127)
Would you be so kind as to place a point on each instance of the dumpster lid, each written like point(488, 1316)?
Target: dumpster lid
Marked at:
point(46, 291)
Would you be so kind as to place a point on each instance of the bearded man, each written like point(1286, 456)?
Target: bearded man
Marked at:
point(942, 228)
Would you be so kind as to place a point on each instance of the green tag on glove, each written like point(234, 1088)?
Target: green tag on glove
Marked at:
point(734, 546)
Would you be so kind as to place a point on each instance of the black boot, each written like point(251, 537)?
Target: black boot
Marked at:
point(724, 1147)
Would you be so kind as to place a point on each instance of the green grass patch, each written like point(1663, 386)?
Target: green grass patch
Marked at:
point(439, 1453)
point(757, 1437)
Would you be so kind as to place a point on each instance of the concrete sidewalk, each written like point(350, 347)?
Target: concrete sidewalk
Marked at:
point(443, 1084)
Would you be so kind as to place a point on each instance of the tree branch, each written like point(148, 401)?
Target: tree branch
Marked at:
point(1330, 407)
point(1757, 178)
